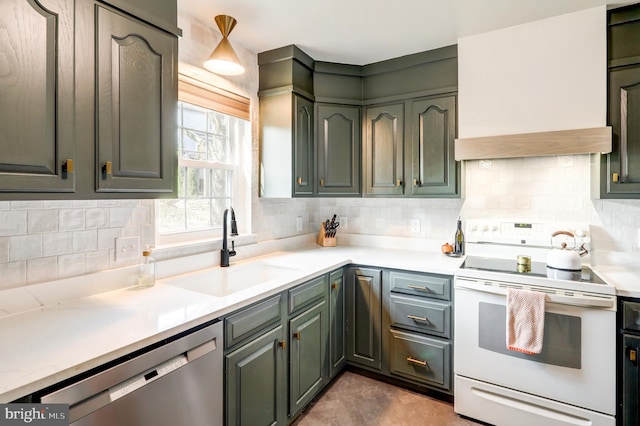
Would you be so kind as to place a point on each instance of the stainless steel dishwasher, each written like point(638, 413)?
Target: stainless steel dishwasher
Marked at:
point(177, 383)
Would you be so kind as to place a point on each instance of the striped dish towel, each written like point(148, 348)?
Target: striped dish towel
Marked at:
point(525, 321)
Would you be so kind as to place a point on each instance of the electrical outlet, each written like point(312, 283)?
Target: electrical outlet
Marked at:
point(343, 223)
point(299, 223)
point(127, 248)
point(415, 226)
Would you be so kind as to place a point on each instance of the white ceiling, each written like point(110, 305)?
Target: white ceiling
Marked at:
point(361, 32)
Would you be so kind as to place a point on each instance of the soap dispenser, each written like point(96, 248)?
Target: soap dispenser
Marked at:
point(147, 272)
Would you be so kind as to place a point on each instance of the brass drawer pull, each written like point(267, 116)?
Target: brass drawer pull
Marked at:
point(417, 287)
point(297, 335)
point(415, 318)
point(417, 362)
point(282, 344)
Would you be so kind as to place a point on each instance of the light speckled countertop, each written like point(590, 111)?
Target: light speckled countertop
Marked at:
point(68, 336)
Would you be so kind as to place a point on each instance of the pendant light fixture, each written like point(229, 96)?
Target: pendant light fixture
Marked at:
point(223, 60)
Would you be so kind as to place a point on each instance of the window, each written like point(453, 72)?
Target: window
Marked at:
point(213, 143)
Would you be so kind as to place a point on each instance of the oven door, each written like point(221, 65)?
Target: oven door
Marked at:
point(574, 373)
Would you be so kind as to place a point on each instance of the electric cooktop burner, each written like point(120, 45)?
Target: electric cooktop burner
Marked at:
point(510, 266)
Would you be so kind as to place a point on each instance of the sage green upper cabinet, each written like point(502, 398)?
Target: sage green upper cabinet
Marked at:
point(384, 150)
point(36, 96)
point(136, 80)
point(434, 171)
point(338, 150)
point(88, 99)
point(617, 175)
point(286, 123)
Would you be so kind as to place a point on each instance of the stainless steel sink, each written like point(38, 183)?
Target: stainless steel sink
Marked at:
point(222, 282)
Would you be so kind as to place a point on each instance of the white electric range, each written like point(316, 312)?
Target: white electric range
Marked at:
point(572, 381)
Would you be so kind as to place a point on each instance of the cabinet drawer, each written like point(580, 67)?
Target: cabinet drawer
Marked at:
point(307, 293)
point(252, 320)
point(421, 315)
point(631, 315)
point(434, 286)
point(421, 359)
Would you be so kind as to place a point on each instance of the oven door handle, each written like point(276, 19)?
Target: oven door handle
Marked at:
point(579, 300)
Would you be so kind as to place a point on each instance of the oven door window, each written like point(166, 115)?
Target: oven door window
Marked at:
point(562, 336)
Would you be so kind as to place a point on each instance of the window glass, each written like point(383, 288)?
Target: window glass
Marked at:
point(209, 143)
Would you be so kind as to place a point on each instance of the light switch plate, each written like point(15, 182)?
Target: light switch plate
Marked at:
point(127, 248)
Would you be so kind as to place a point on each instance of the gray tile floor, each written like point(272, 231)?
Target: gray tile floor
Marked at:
point(353, 399)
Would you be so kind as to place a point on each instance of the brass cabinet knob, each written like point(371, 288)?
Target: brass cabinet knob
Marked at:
point(107, 168)
point(615, 177)
point(334, 286)
point(297, 335)
point(282, 344)
point(321, 182)
point(417, 182)
point(398, 182)
point(299, 180)
point(67, 166)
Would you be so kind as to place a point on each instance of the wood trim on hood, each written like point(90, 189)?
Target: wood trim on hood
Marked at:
point(561, 142)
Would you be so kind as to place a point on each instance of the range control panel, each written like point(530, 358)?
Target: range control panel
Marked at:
point(533, 234)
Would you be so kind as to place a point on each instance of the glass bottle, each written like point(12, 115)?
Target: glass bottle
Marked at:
point(458, 246)
point(147, 271)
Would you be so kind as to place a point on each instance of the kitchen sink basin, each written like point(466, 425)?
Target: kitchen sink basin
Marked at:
point(221, 282)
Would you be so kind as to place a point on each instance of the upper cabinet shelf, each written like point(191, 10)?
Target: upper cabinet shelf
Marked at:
point(562, 142)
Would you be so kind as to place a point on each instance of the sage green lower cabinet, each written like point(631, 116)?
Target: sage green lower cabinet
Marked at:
point(364, 315)
point(308, 335)
point(337, 314)
point(418, 328)
point(256, 387)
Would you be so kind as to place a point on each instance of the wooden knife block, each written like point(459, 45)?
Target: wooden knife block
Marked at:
point(323, 240)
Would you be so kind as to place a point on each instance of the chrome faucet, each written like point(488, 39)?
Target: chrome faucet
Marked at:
point(225, 253)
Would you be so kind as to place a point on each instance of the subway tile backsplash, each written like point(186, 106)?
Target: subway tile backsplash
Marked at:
point(46, 240)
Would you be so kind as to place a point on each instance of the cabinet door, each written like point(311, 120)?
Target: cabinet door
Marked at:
point(303, 128)
point(136, 105)
point(623, 168)
point(364, 316)
point(338, 149)
point(384, 150)
point(630, 381)
point(256, 387)
point(434, 171)
point(308, 335)
point(36, 95)
point(337, 348)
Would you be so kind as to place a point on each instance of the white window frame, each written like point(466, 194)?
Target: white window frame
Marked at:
point(206, 96)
